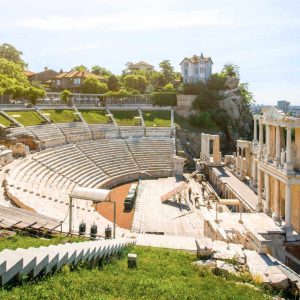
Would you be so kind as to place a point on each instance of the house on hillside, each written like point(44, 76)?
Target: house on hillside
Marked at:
point(71, 80)
point(43, 77)
point(141, 65)
point(196, 68)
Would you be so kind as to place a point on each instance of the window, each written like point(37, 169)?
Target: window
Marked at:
point(185, 72)
point(186, 65)
point(196, 70)
point(77, 81)
point(58, 82)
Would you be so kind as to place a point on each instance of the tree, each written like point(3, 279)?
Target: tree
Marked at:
point(231, 70)
point(13, 70)
point(135, 82)
point(113, 83)
point(168, 71)
point(33, 93)
point(80, 68)
point(92, 85)
point(65, 96)
point(168, 88)
point(10, 53)
point(97, 70)
point(157, 80)
point(216, 81)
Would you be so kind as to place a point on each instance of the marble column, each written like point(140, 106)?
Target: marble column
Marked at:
point(289, 165)
point(255, 131)
point(288, 205)
point(267, 192)
point(259, 190)
point(268, 144)
point(276, 214)
point(261, 139)
point(278, 136)
point(254, 175)
point(237, 164)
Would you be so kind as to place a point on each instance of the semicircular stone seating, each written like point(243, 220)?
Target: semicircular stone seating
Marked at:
point(43, 181)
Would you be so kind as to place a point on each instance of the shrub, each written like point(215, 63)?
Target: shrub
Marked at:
point(194, 88)
point(203, 120)
point(164, 99)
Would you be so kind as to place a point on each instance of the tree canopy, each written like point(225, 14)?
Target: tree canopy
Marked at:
point(135, 82)
point(92, 85)
point(10, 53)
point(97, 70)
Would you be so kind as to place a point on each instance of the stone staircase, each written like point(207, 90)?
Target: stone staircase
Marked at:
point(15, 264)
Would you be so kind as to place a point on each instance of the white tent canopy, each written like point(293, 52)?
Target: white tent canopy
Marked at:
point(95, 195)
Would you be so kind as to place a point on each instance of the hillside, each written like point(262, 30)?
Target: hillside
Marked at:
point(161, 274)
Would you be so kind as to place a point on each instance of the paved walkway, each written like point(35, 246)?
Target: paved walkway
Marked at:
point(247, 195)
point(165, 241)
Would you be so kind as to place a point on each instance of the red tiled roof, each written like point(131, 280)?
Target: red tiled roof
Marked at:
point(29, 73)
point(76, 74)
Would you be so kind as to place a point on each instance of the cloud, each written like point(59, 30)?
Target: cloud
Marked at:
point(135, 21)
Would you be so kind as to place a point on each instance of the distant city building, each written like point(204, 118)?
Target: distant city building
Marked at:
point(196, 68)
point(141, 65)
point(283, 105)
point(295, 110)
point(71, 80)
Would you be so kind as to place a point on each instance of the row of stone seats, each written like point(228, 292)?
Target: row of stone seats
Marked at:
point(71, 163)
point(20, 131)
point(43, 260)
point(104, 131)
point(49, 135)
point(75, 131)
point(111, 155)
point(36, 187)
point(152, 154)
point(131, 131)
point(158, 132)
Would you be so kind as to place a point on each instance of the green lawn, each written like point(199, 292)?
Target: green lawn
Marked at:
point(3, 121)
point(125, 118)
point(160, 118)
point(26, 118)
point(161, 274)
point(26, 241)
point(60, 115)
point(95, 116)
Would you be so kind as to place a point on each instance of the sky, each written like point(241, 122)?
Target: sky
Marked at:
point(262, 37)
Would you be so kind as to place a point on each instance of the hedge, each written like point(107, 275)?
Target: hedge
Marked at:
point(164, 99)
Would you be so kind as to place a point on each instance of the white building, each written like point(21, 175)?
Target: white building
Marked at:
point(196, 68)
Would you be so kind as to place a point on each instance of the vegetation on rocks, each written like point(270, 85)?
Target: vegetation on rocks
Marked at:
point(223, 104)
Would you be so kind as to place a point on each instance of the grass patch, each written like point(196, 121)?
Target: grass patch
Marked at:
point(161, 274)
point(95, 116)
point(25, 241)
point(60, 115)
point(26, 118)
point(157, 118)
point(125, 117)
point(3, 121)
